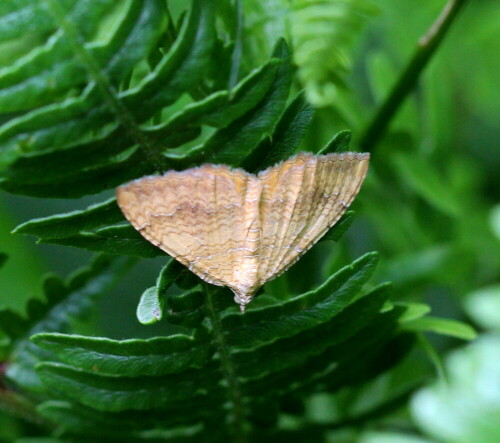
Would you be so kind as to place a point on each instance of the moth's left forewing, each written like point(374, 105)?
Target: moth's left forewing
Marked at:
point(197, 216)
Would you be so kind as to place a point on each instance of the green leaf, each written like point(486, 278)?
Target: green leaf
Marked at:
point(382, 349)
point(123, 425)
point(233, 143)
point(337, 231)
point(296, 349)
point(112, 393)
point(131, 358)
point(151, 306)
point(339, 143)
point(350, 362)
point(286, 137)
point(181, 68)
point(68, 162)
point(71, 223)
point(116, 240)
point(220, 109)
point(413, 311)
point(246, 95)
point(23, 16)
point(266, 324)
point(88, 181)
point(443, 326)
point(208, 111)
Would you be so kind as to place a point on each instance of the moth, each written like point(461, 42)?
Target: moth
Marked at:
point(241, 230)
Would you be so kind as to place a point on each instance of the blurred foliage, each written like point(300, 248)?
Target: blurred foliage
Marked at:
point(467, 408)
point(97, 92)
point(321, 32)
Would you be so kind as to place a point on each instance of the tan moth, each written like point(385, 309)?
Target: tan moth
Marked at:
point(236, 229)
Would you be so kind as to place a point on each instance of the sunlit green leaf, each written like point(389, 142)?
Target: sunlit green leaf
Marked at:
point(444, 326)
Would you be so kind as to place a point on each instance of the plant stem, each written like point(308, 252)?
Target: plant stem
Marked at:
point(426, 47)
point(234, 389)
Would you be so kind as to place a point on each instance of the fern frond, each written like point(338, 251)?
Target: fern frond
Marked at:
point(322, 33)
point(321, 340)
point(64, 301)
